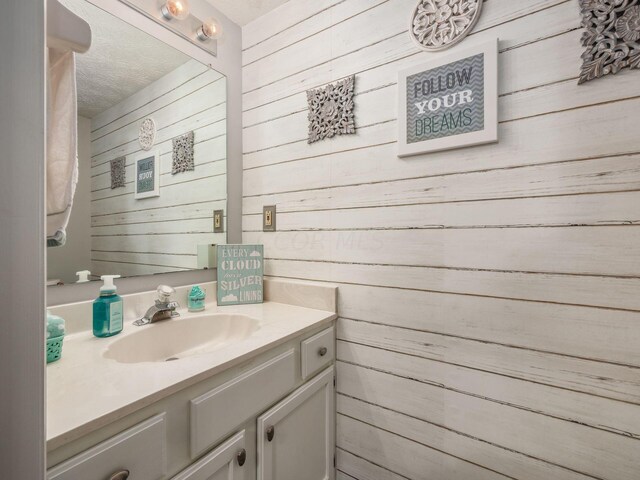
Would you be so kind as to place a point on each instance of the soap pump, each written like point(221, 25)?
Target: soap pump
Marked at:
point(83, 276)
point(107, 309)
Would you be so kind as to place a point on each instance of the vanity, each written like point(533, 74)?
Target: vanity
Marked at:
point(233, 392)
point(237, 392)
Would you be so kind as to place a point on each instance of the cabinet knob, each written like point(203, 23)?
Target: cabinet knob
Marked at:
point(121, 475)
point(241, 457)
point(270, 433)
point(322, 351)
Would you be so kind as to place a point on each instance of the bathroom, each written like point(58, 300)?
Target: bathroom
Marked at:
point(332, 265)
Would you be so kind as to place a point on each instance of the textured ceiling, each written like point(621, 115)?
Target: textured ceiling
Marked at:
point(122, 60)
point(242, 12)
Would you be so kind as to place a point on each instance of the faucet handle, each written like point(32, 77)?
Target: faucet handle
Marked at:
point(164, 293)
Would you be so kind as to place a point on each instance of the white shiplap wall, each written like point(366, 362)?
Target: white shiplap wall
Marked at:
point(160, 234)
point(489, 304)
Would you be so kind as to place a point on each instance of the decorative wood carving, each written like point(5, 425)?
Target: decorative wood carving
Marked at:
point(439, 24)
point(331, 110)
point(118, 169)
point(183, 154)
point(612, 31)
point(147, 134)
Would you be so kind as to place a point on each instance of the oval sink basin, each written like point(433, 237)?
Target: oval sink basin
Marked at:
point(180, 337)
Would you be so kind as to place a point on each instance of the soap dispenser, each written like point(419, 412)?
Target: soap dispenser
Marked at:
point(83, 276)
point(107, 309)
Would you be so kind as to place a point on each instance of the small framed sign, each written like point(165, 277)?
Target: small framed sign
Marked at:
point(240, 274)
point(147, 181)
point(450, 102)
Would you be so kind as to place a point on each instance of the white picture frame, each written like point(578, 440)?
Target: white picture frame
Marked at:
point(424, 107)
point(147, 180)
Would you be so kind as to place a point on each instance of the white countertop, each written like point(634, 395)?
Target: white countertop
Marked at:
point(86, 391)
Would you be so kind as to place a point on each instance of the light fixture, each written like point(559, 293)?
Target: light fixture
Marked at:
point(209, 29)
point(178, 9)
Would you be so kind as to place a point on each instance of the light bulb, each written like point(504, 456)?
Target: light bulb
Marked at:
point(210, 28)
point(178, 9)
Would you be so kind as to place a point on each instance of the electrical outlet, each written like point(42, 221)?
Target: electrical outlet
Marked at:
point(218, 221)
point(269, 218)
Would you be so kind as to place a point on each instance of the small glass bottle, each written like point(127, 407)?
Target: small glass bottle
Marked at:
point(107, 309)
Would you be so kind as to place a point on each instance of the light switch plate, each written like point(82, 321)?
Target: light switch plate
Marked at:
point(218, 221)
point(269, 218)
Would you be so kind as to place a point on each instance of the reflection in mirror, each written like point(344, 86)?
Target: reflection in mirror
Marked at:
point(151, 156)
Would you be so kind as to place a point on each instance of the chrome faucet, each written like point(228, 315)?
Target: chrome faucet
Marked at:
point(163, 309)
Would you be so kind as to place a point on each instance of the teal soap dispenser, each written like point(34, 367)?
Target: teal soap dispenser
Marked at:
point(107, 309)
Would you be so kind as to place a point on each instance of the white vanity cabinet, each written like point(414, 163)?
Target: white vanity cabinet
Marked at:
point(269, 418)
point(296, 437)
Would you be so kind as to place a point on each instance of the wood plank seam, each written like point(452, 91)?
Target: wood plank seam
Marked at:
point(454, 432)
point(369, 461)
point(293, 25)
point(159, 130)
point(430, 447)
point(156, 208)
point(500, 122)
point(164, 94)
point(404, 31)
point(380, 2)
point(616, 431)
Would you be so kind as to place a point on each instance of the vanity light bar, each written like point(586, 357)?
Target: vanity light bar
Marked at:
point(176, 16)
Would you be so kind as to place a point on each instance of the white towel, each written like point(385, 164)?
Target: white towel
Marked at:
point(62, 145)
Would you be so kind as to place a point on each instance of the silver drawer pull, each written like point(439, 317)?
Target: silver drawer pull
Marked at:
point(322, 351)
point(121, 475)
point(270, 433)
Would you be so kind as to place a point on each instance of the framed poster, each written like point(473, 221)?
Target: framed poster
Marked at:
point(449, 102)
point(147, 181)
point(240, 274)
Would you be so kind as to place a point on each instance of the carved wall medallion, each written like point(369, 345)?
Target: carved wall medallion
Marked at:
point(118, 169)
point(331, 110)
point(612, 32)
point(183, 154)
point(439, 24)
point(147, 133)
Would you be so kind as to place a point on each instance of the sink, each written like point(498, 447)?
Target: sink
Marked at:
point(180, 337)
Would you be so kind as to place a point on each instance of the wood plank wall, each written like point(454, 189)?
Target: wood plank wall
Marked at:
point(140, 237)
point(490, 296)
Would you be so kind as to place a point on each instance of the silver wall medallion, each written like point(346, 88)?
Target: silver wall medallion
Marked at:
point(439, 24)
point(611, 37)
point(331, 110)
point(147, 134)
point(118, 169)
point(183, 154)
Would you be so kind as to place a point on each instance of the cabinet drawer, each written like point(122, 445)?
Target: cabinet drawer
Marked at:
point(227, 462)
point(141, 451)
point(317, 352)
point(217, 413)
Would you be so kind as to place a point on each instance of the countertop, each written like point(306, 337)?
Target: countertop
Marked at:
point(86, 391)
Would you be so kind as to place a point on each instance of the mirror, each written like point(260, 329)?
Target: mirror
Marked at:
point(151, 156)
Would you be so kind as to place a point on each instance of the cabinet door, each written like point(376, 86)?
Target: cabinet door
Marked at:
point(296, 438)
point(224, 463)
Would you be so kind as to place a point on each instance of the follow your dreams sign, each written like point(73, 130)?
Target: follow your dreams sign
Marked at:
point(147, 175)
point(240, 274)
point(450, 102)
